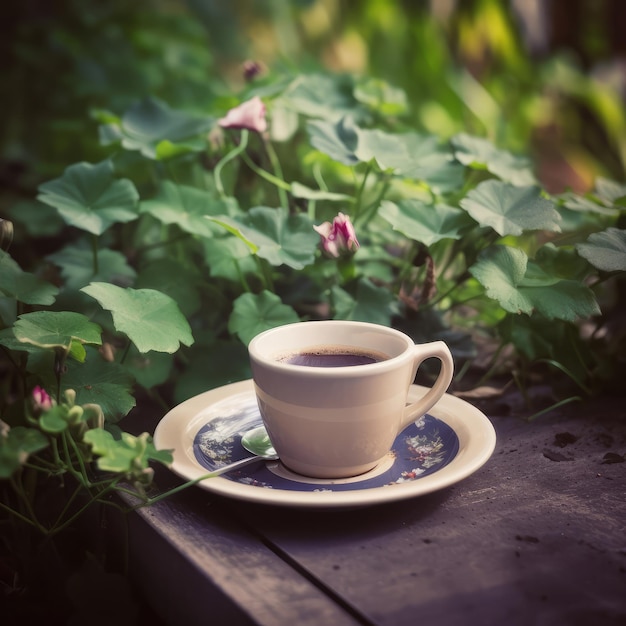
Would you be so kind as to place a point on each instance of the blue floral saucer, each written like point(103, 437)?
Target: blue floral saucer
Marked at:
point(437, 450)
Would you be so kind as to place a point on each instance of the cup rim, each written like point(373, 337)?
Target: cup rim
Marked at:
point(330, 372)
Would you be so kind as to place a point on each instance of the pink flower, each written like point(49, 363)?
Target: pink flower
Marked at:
point(41, 400)
point(338, 238)
point(249, 114)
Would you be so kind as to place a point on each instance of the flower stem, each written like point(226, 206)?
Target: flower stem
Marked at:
point(94, 254)
point(278, 171)
point(237, 150)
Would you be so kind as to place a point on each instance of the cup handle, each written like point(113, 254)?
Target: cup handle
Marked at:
point(439, 350)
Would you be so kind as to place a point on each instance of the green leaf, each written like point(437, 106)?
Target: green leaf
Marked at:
point(522, 287)
point(370, 304)
point(318, 95)
point(426, 223)
point(605, 250)
point(275, 235)
point(179, 282)
point(97, 381)
point(16, 446)
point(252, 314)
point(380, 96)
point(510, 210)
point(188, 208)
point(150, 319)
point(90, 198)
point(23, 286)
point(338, 140)
point(611, 192)
point(128, 455)
point(151, 127)
point(38, 219)
point(56, 329)
point(423, 158)
point(150, 369)
point(54, 420)
point(229, 258)
point(76, 264)
point(480, 153)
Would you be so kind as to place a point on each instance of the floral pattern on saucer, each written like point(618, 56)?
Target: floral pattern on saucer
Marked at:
point(423, 448)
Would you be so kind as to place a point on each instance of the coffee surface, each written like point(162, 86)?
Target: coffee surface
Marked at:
point(332, 357)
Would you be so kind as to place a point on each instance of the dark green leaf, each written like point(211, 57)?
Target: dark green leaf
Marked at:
point(151, 127)
point(252, 314)
point(605, 250)
point(318, 95)
point(76, 263)
point(174, 279)
point(16, 446)
point(479, 152)
point(426, 223)
point(510, 210)
point(23, 286)
point(229, 257)
point(188, 208)
point(275, 235)
point(90, 198)
point(370, 303)
point(338, 140)
point(414, 156)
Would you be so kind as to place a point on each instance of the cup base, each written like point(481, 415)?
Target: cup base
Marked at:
point(316, 471)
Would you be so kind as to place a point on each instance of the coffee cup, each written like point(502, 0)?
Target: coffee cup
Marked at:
point(333, 394)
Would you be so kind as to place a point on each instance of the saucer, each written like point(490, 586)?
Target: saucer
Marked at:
point(441, 448)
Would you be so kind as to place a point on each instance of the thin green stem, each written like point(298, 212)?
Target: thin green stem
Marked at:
point(359, 194)
point(270, 178)
point(278, 171)
point(553, 407)
point(94, 254)
point(237, 150)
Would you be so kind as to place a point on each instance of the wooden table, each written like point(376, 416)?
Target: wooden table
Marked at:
point(536, 536)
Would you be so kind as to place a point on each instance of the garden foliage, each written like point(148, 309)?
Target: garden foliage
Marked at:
point(195, 234)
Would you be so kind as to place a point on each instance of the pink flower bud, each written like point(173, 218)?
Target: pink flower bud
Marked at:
point(338, 238)
point(41, 400)
point(249, 114)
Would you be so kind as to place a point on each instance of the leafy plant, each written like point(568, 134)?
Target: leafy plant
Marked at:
point(197, 232)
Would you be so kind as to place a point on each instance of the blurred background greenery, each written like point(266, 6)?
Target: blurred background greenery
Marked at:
point(544, 78)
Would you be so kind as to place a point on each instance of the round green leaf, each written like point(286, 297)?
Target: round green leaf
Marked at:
point(275, 235)
point(23, 286)
point(426, 223)
point(17, 445)
point(188, 208)
point(76, 264)
point(510, 210)
point(90, 198)
point(500, 269)
point(252, 314)
point(150, 319)
point(523, 287)
point(479, 152)
point(56, 329)
point(369, 304)
point(151, 127)
point(605, 250)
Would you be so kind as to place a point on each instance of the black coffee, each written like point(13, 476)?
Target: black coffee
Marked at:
point(332, 357)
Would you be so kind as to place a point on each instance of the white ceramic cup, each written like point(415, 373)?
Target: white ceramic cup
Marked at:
point(335, 422)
